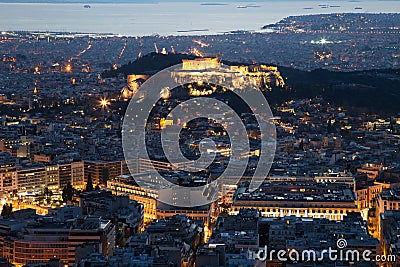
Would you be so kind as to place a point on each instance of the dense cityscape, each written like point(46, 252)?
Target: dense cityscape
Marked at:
point(69, 196)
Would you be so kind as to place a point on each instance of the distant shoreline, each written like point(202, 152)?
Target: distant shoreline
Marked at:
point(213, 4)
point(195, 30)
point(269, 28)
point(176, 19)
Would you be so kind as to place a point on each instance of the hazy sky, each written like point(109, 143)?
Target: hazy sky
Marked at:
point(142, 1)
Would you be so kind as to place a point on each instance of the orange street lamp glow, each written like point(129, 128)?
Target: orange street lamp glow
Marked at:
point(104, 102)
point(68, 68)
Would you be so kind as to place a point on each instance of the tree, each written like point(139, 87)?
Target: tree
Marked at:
point(330, 128)
point(89, 184)
point(68, 192)
point(301, 145)
point(7, 210)
point(392, 125)
point(46, 191)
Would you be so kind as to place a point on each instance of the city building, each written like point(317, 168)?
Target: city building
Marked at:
point(301, 199)
point(45, 239)
point(390, 235)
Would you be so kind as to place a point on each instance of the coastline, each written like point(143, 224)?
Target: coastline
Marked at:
point(177, 18)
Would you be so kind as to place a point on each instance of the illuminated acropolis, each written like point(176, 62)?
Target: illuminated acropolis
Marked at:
point(202, 69)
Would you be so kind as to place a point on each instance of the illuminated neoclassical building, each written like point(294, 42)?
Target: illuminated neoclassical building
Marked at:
point(299, 198)
point(203, 69)
point(200, 63)
point(125, 184)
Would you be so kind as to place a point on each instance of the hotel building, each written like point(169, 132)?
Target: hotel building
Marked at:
point(44, 240)
point(299, 198)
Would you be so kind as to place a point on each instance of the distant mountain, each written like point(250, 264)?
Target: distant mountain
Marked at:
point(372, 90)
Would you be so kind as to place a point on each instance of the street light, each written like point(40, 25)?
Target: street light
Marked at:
point(104, 102)
point(68, 68)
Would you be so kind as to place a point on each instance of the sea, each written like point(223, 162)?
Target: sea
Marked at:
point(171, 18)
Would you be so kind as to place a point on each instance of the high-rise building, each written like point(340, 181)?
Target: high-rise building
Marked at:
point(64, 174)
point(31, 179)
point(102, 171)
point(52, 177)
point(47, 239)
point(77, 174)
point(8, 179)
